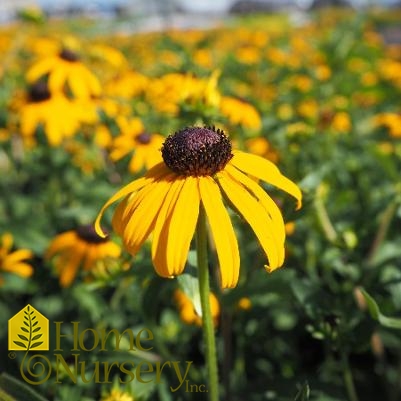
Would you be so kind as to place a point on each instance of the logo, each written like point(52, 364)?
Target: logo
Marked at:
point(28, 330)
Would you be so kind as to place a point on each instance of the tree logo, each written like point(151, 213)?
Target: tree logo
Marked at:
point(28, 330)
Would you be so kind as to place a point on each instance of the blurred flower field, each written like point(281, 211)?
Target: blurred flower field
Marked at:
point(83, 113)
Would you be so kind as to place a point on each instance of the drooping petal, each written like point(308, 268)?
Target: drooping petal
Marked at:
point(78, 85)
point(21, 269)
point(266, 171)
point(117, 221)
point(161, 230)
point(157, 171)
point(41, 68)
point(256, 216)
point(137, 161)
point(265, 200)
point(182, 223)
point(222, 231)
point(141, 222)
point(62, 241)
point(57, 79)
point(17, 256)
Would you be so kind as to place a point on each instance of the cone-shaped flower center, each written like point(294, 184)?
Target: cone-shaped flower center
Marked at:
point(39, 92)
point(197, 151)
point(143, 138)
point(69, 55)
point(89, 235)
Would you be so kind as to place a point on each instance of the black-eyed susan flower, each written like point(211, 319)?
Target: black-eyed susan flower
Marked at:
point(14, 262)
point(59, 116)
point(66, 68)
point(79, 248)
point(133, 138)
point(200, 169)
point(189, 313)
point(240, 112)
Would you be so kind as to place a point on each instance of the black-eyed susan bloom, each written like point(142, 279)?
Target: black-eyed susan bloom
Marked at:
point(133, 137)
point(200, 169)
point(14, 262)
point(66, 68)
point(77, 248)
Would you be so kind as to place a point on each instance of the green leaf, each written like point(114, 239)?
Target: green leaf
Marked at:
point(36, 344)
point(24, 329)
point(189, 285)
point(17, 390)
point(374, 310)
point(22, 337)
point(36, 337)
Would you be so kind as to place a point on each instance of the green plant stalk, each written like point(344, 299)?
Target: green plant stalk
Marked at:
point(385, 222)
point(348, 379)
point(324, 219)
point(207, 321)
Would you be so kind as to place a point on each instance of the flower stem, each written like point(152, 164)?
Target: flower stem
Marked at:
point(348, 379)
point(204, 292)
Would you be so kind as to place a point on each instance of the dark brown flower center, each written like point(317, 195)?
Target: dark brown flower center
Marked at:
point(143, 138)
point(89, 235)
point(197, 151)
point(69, 55)
point(39, 92)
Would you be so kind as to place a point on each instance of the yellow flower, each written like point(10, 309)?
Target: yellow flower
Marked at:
point(188, 312)
point(244, 303)
point(117, 395)
point(59, 116)
point(199, 169)
point(390, 120)
point(65, 68)
point(240, 112)
point(126, 85)
point(341, 122)
point(261, 146)
point(79, 248)
point(133, 137)
point(14, 262)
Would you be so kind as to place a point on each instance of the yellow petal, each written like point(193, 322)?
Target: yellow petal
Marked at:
point(69, 269)
point(182, 223)
point(41, 68)
point(117, 220)
point(161, 230)
point(61, 241)
point(7, 241)
point(141, 222)
point(265, 200)
point(21, 269)
point(78, 85)
point(17, 256)
point(157, 171)
point(137, 161)
point(222, 231)
point(256, 216)
point(266, 171)
point(57, 79)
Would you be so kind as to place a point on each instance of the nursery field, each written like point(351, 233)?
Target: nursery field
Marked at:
point(245, 183)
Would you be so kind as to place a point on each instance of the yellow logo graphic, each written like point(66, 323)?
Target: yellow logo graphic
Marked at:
point(28, 330)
